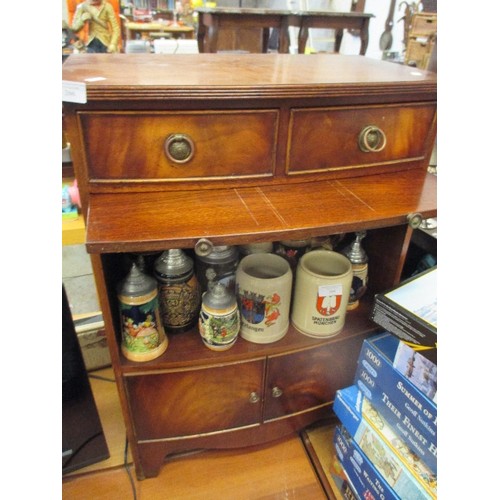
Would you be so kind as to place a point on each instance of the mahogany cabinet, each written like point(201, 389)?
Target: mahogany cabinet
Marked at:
point(239, 149)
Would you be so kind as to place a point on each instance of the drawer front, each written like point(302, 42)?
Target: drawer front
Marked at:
point(155, 145)
point(195, 401)
point(308, 379)
point(330, 139)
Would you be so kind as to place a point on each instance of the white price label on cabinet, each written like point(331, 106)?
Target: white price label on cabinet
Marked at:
point(74, 92)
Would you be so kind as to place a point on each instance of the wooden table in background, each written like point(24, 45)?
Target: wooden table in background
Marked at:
point(212, 20)
point(338, 21)
point(176, 30)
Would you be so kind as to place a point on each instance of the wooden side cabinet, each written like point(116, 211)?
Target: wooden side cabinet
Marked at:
point(267, 147)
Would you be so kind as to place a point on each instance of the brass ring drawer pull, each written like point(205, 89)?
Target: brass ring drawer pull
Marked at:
point(179, 148)
point(372, 139)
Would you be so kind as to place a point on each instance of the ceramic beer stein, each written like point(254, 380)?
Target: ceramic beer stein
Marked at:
point(219, 321)
point(178, 289)
point(264, 289)
point(215, 264)
point(292, 250)
point(266, 247)
point(143, 337)
point(359, 260)
point(322, 286)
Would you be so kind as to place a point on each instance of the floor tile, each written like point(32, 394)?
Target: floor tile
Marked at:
point(82, 294)
point(75, 261)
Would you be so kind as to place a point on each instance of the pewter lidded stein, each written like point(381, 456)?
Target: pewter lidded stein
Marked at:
point(215, 264)
point(219, 322)
point(359, 260)
point(143, 337)
point(179, 290)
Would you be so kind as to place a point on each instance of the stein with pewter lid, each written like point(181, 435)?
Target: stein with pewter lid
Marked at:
point(359, 260)
point(143, 336)
point(219, 322)
point(179, 290)
point(215, 264)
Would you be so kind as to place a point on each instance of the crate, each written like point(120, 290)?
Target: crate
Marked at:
point(423, 24)
point(419, 51)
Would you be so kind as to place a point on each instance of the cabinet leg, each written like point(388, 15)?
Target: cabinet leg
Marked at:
point(151, 458)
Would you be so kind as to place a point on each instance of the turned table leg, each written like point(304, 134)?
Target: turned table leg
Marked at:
point(363, 34)
point(213, 35)
point(303, 34)
point(202, 31)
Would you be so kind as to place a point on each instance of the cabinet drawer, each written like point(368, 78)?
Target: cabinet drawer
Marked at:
point(195, 401)
point(217, 144)
point(308, 379)
point(331, 139)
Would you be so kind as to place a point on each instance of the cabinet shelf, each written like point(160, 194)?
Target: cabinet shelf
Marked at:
point(187, 350)
point(133, 222)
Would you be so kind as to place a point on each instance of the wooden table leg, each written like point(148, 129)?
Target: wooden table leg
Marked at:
point(303, 35)
point(213, 35)
point(202, 30)
point(284, 36)
point(363, 34)
point(339, 34)
point(265, 40)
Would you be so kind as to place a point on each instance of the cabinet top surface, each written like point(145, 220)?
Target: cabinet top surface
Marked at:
point(156, 76)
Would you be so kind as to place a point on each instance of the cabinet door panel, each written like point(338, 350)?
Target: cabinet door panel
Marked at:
point(307, 379)
point(195, 401)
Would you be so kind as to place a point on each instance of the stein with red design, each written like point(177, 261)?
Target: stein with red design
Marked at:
point(322, 287)
point(264, 290)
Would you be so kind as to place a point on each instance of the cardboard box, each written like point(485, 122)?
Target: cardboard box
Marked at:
point(365, 479)
point(405, 473)
point(92, 339)
point(341, 480)
point(409, 311)
point(419, 370)
point(410, 413)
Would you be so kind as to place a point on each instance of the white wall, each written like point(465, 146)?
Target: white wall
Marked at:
point(380, 8)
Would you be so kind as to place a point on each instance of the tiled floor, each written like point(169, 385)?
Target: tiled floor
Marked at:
point(78, 280)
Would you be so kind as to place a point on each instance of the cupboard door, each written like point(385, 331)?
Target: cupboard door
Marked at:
point(195, 401)
point(308, 379)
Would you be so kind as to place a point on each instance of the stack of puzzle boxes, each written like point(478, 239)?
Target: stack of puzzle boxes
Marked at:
point(386, 443)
